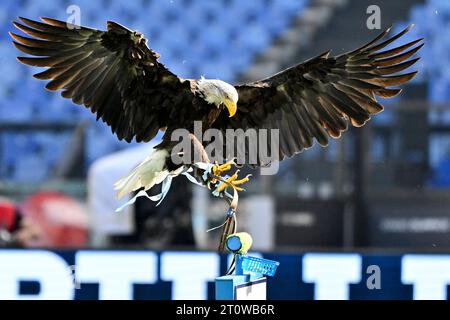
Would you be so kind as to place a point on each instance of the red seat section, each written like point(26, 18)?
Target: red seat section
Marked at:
point(62, 220)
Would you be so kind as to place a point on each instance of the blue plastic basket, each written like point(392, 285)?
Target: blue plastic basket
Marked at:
point(258, 265)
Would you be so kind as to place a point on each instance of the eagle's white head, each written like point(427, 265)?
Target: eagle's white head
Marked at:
point(219, 92)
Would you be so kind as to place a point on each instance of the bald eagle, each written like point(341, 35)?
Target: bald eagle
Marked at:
point(118, 77)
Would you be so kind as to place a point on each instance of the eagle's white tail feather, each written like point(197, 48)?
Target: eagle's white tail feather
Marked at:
point(149, 173)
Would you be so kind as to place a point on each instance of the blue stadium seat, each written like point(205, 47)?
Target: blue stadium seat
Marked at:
point(441, 177)
point(430, 19)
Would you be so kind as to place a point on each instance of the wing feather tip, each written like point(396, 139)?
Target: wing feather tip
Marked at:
point(12, 35)
point(26, 61)
point(20, 39)
point(50, 21)
point(47, 19)
point(24, 20)
point(389, 28)
point(51, 86)
point(392, 93)
point(407, 29)
point(18, 45)
point(411, 75)
point(18, 25)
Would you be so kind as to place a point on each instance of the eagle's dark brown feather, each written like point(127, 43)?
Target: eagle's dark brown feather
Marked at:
point(317, 98)
point(111, 72)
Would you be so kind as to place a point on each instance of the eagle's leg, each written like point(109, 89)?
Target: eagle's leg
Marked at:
point(234, 182)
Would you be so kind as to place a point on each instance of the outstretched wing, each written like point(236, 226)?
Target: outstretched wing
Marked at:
point(317, 98)
point(111, 72)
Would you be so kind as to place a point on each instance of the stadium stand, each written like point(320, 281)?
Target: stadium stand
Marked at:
point(431, 18)
point(217, 39)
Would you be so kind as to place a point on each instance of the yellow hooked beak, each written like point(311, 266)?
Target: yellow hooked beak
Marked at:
point(231, 106)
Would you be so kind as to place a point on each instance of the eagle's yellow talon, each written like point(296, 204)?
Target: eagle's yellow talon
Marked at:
point(221, 188)
point(219, 169)
point(242, 181)
point(233, 182)
point(233, 177)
